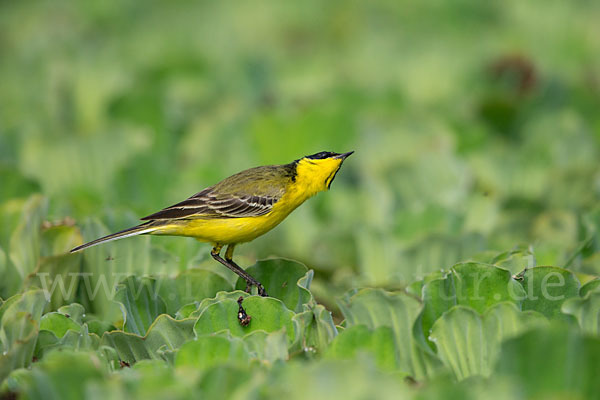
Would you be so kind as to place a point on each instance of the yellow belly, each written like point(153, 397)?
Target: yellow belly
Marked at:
point(227, 230)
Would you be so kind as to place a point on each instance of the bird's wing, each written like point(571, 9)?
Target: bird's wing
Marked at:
point(211, 205)
point(241, 195)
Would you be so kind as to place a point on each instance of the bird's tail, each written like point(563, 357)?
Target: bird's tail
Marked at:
point(136, 230)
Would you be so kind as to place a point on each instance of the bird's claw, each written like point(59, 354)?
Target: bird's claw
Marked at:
point(261, 289)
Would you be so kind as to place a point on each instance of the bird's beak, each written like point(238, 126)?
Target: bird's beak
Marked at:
point(344, 155)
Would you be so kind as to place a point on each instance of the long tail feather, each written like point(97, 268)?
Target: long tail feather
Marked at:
point(136, 230)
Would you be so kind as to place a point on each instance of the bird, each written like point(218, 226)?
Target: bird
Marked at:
point(240, 208)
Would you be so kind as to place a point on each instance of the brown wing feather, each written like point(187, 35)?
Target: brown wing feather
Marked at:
point(250, 193)
point(215, 207)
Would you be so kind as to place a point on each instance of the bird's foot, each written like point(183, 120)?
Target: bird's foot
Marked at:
point(261, 289)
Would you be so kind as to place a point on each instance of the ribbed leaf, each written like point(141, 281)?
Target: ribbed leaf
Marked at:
point(140, 303)
point(208, 351)
point(267, 347)
point(380, 343)
point(315, 328)
point(374, 308)
point(547, 288)
point(58, 324)
point(474, 285)
point(24, 248)
point(468, 343)
point(63, 375)
point(591, 286)
point(191, 286)
point(220, 296)
point(59, 276)
point(165, 333)
point(586, 310)
point(460, 339)
point(544, 363)
point(19, 327)
point(281, 278)
point(79, 340)
point(267, 314)
point(106, 265)
point(515, 260)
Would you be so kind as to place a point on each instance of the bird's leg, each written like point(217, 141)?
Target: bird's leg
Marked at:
point(228, 262)
point(229, 258)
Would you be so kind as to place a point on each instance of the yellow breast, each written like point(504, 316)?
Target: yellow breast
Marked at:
point(238, 230)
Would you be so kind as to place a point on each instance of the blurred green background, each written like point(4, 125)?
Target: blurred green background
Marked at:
point(476, 131)
point(475, 124)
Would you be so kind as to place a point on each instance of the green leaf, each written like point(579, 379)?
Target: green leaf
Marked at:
point(545, 363)
point(102, 274)
point(374, 308)
point(59, 276)
point(586, 310)
point(224, 381)
point(67, 318)
point(220, 296)
point(504, 320)
point(209, 350)
point(186, 311)
point(475, 285)
point(591, 286)
point(268, 347)
point(31, 302)
point(468, 343)
point(15, 184)
point(63, 375)
point(267, 314)
point(140, 303)
point(190, 286)
point(379, 343)
point(328, 379)
point(155, 379)
point(76, 158)
point(18, 334)
point(57, 271)
point(315, 328)
point(58, 324)
point(165, 333)
point(459, 336)
point(547, 288)
point(24, 248)
point(10, 217)
point(19, 328)
point(416, 288)
point(74, 311)
point(46, 340)
point(59, 239)
point(515, 260)
point(106, 265)
point(5, 271)
point(110, 356)
point(99, 327)
point(80, 340)
point(286, 280)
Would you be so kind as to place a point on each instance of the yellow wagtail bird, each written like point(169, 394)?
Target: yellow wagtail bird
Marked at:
point(240, 208)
